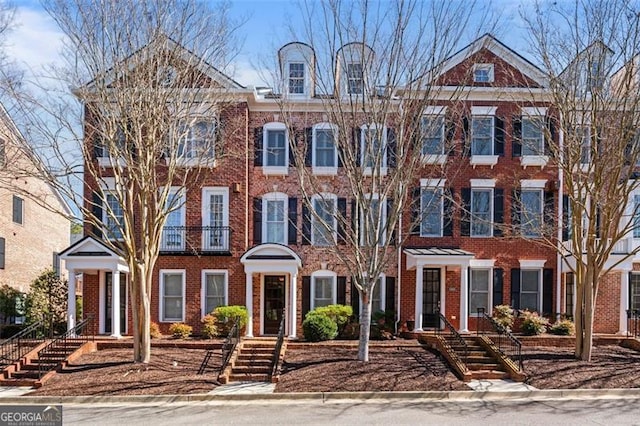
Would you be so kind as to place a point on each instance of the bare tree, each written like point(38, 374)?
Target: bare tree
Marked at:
point(374, 74)
point(152, 97)
point(588, 51)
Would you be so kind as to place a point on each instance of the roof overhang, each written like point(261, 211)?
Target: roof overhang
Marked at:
point(271, 258)
point(90, 255)
point(437, 256)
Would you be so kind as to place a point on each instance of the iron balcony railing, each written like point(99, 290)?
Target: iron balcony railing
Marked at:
point(18, 345)
point(633, 322)
point(198, 239)
point(79, 333)
point(506, 342)
point(278, 348)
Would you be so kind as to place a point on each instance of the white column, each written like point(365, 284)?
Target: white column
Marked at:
point(464, 299)
point(293, 306)
point(624, 302)
point(115, 303)
point(249, 302)
point(71, 301)
point(419, 285)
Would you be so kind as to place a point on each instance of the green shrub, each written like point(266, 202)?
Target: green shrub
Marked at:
point(503, 314)
point(154, 330)
point(227, 315)
point(340, 314)
point(533, 324)
point(180, 330)
point(563, 328)
point(319, 327)
point(209, 327)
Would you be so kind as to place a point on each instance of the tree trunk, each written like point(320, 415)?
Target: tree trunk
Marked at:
point(365, 327)
point(579, 315)
point(587, 343)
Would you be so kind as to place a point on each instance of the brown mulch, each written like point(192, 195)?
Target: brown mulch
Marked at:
point(335, 369)
point(557, 368)
point(112, 372)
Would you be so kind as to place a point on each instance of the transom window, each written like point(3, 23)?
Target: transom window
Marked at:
point(276, 148)
point(482, 135)
point(481, 212)
point(431, 208)
point(323, 227)
point(479, 290)
point(355, 80)
point(197, 140)
point(530, 289)
point(214, 290)
point(296, 78)
point(324, 148)
point(323, 291)
point(531, 207)
point(432, 135)
point(532, 136)
point(172, 296)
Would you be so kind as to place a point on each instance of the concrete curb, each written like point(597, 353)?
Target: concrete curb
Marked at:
point(554, 394)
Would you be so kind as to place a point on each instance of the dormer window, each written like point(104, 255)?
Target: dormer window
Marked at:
point(296, 78)
point(355, 79)
point(483, 73)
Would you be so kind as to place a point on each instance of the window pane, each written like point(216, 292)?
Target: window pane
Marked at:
point(323, 292)
point(325, 148)
point(482, 136)
point(197, 139)
point(275, 221)
point(172, 297)
point(585, 144)
point(431, 207)
point(373, 150)
point(481, 213)
point(323, 235)
point(214, 295)
point(355, 83)
point(18, 209)
point(173, 284)
point(376, 299)
point(479, 291)
point(296, 78)
point(276, 148)
point(529, 301)
point(636, 217)
point(529, 289)
point(433, 135)
point(532, 136)
point(531, 213)
point(112, 222)
point(530, 281)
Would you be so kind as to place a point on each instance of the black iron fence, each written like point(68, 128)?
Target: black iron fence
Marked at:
point(506, 342)
point(229, 345)
point(18, 345)
point(633, 322)
point(455, 340)
point(58, 349)
point(278, 348)
point(199, 239)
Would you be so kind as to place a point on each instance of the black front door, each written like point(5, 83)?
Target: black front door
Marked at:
point(430, 298)
point(273, 302)
point(108, 303)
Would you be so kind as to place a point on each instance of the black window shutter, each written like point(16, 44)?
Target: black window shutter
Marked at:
point(516, 137)
point(549, 210)
point(550, 137)
point(98, 145)
point(341, 297)
point(257, 221)
point(391, 147)
point(498, 211)
point(356, 141)
point(390, 294)
point(306, 295)
point(55, 263)
point(306, 225)
point(18, 209)
point(294, 138)
point(308, 155)
point(466, 137)
point(96, 210)
point(516, 210)
point(465, 214)
point(342, 218)
point(449, 134)
point(355, 299)
point(2, 252)
point(498, 142)
point(598, 222)
point(292, 231)
point(565, 217)
point(389, 213)
point(447, 229)
point(354, 217)
point(547, 291)
point(257, 146)
point(498, 279)
point(515, 288)
point(415, 212)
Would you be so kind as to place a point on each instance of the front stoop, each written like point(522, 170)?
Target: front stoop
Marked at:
point(252, 362)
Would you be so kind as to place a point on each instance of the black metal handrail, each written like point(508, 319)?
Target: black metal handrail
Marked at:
point(229, 345)
point(18, 345)
point(203, 239)
point(633, 322)
point(276, 351)
point(452, 336)
point(76, 334)
point(508, 344)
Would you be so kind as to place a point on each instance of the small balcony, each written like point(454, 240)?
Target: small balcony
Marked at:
point(195, 239)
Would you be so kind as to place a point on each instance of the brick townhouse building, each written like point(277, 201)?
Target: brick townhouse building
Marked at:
point(485, 193)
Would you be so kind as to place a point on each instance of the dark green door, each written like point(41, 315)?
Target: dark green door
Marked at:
point(430, 297)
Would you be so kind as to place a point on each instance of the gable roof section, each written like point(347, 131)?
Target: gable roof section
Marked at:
point(168, 45)
point(495, 46)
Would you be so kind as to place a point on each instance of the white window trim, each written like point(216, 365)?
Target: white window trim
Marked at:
point(490, 72)
point(482, 183)
point(275, 170)
point(203, 288)
point(207, 191)
point(532, 263)
point(368, 171)
point(481, 266)
point(275, 196)
point(324, 171)
point(439, 184)
point(491, 208)
point(324, 196)
point(383, 219)
point(323, 273)
point(539, 291)
point(163, 272)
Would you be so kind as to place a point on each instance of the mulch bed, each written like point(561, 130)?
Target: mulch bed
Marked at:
point(111, 372)
point(326, 368)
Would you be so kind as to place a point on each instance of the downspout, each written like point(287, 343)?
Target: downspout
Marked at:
point(559, 257)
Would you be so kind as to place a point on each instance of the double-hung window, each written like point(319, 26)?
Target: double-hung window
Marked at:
point(325, 154)
point(197, 140)
point(113, 216)
point(355, 79)
point(373, 147)
point(584, 136)
point(275, 149)
point(323, 224)
point(431, 206)
point(432, 127)
point(479, 294)
point(482, 128)
point(215, 219)
point(373, 222)
point(532, 135)
point(296, 78)
point(530, 284)
point(377, 296)
point(214, 290)
point(172, 295)
point(173, 233)
point(274, 227)
point(323, 291)
point(481, 212)
point(531, 212)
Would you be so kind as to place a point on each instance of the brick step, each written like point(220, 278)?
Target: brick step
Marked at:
point(484, 359)
point(250, 356)
point(256, 362)
point(250, 369)
point(248, 377)
point(17, 382)
point(263, 350)
point(473, 366)
point(36, 366)
point(26, 374)
point(489, 375)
